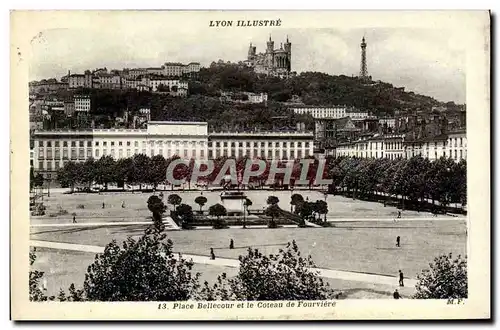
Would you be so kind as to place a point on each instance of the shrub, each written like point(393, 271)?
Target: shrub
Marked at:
point(157, 208)
point(142, 270)
point(36, 294)
point(284, 276)
point(446, 279)
point(217, 210)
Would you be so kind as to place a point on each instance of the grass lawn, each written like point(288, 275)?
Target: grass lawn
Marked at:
point(359, 246)
point(136, 208)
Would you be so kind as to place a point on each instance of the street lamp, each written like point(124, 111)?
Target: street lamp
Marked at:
point(291, 194)
point(48, 185)
point(245, 209)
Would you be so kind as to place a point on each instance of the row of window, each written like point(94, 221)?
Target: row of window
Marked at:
point(263, 154)
point(455, 142)
point(455, 155)
point(80, 154)
point(256, 144)
point(399, 145)
point(159, 143)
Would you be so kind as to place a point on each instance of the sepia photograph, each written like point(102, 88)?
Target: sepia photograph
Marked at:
point(251, 164)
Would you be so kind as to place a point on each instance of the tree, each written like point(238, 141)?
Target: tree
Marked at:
point(158, 170)
point(248, 202)
point(157, 207)
point(140, 169)
point(124, 171)
point(272, 200)
point(36, 294)
point(185, 213)
point(38, 180)
point(174, 200)
point(296, 200)
point(217, 210)
point(32, 179)
point(306, 210)
point(69, 175)
point(105, 173)
point(321, 207)
point(141, 270)
point(446, 279)
point(201, 201)
point(283, 276)
point(88, 172)
point(272, 211)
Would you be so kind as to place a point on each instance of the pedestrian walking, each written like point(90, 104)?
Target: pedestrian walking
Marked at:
point(231, 244)
point(74, 219)
point(396, 294)
point(398, 241)
point(401, 276)
point(399, 214)
point(123, 204)
point(212, 254)
point(103, 205)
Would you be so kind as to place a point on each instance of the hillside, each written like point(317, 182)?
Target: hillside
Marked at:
point(316, 88)
point(203, 104)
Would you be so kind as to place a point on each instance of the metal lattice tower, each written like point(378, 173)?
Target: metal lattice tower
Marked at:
point(363, 73)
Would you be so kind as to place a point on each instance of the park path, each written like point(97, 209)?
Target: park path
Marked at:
point(424, 218)
point(172, 226)
point(234, 263)
point(169, 224)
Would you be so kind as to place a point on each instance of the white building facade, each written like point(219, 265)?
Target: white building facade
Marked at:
point(322, 112)
point(376, 147)
point(452, 146)
point(457, 145)
point(82, 103)
point(357, 115)
point(390, 122)
point(55, 148)
point(432, 148)
point(257, 98)
point(266, 145)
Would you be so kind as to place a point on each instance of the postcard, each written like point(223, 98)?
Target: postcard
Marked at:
point(250, 165)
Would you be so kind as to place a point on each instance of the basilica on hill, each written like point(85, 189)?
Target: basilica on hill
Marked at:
point(274, 62)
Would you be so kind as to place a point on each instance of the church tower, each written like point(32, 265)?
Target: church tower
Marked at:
point(270, 53)
point(251, 52)
point(363, 72)
point(288, 49)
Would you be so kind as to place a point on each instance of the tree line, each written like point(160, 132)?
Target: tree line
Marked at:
point(415, 179)
point(141, 169)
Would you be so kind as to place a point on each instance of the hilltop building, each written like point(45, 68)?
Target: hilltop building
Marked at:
point(274, 62)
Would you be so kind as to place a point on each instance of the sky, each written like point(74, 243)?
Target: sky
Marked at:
point(426, 61)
